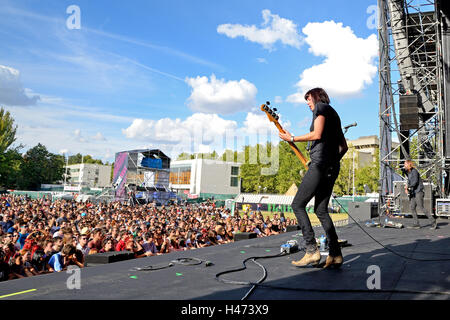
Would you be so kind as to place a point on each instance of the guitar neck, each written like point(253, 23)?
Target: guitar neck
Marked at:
point(296, 150)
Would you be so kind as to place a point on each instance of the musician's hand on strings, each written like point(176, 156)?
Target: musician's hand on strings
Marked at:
point(286, 136)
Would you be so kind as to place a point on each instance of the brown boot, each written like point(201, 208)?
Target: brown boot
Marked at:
point(308, 259)
point(333, 262)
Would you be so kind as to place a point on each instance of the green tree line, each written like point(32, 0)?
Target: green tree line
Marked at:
point(27, 171)
point(257, 161)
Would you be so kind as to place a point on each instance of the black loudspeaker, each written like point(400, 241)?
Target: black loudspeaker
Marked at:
point(107, 257)
point(244, 236)
point(409, 112)
point(362, 211)
point(292, 228)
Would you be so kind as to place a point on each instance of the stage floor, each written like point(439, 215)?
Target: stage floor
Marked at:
point(399, 278)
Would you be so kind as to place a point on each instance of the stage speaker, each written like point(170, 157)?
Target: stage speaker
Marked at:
point(107, 257)
point(403, 200)
point(292, 228)
point(427, 204)
point(409, 112)
point(362, 211)
point(244, 236)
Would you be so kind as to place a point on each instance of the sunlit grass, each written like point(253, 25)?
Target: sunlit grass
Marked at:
point(336, 217)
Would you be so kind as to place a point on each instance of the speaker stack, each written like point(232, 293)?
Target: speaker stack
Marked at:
point(409, 112)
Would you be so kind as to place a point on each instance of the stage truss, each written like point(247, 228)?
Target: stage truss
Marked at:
point(410, 64)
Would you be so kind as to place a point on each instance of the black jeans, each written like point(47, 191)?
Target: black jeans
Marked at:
point(318, 182)
point(417, 202)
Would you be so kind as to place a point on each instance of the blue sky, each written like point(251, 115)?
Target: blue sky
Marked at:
point(182, 75)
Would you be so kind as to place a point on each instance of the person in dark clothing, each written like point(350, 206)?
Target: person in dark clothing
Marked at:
point(414, 189)
point(327, 148)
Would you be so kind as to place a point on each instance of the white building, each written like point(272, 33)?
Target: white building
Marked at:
point(365, 149)
point(89, 175)
point(205, 178)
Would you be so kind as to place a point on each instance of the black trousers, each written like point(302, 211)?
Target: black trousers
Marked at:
point(416, 202)
point(318, 182)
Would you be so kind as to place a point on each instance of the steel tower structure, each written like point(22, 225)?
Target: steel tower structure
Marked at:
point(411, 99)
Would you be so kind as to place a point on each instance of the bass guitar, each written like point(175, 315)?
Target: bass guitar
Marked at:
point(273, 117)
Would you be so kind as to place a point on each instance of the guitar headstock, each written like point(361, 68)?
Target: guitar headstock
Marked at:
point(271, 114)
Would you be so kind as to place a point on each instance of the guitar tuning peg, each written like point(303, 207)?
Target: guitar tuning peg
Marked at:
point(275, 109)
point(268, 103)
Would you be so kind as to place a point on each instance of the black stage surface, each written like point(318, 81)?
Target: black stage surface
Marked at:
point(399, 278)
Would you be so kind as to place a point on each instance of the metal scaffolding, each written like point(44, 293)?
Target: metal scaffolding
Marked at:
point(410, 67)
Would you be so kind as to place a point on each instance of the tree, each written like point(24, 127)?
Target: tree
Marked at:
point(88, 159)
point(259, 173)
point(291, 168)
point(185, 156)
point(75, 159)
point(10, 163)
point(39, 166)
point(368, 175)
point(344, 182)
point(7, 130)
point(79, 158)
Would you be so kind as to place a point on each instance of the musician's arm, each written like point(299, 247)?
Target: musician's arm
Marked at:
point(316, 134)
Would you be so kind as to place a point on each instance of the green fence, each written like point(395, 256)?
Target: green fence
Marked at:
point(31, 194)
point(342, 206)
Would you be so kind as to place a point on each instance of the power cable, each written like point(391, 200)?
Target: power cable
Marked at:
point(253, 259)
point(180, 261)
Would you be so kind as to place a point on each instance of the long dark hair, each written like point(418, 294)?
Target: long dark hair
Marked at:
point(318, 95)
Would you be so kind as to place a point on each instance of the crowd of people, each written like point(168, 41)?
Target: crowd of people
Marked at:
point(43, 236)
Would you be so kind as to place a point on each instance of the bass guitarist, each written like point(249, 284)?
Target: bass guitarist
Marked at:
point(414, 189)
point(327, 148)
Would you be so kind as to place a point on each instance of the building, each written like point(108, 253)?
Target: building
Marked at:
point(89, 175)
point(205, 178)
point(366, 149)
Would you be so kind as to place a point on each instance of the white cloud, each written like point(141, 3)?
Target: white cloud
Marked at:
point(12, 92)
point(349, 64)
point(220, 96)
point(203, 133)
point(204, 128)
point(78, 136)
point(258, 124)
point(278, 99)
point(276, 29)
point(99, 137)
point(257, 128)
point(261, 60)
